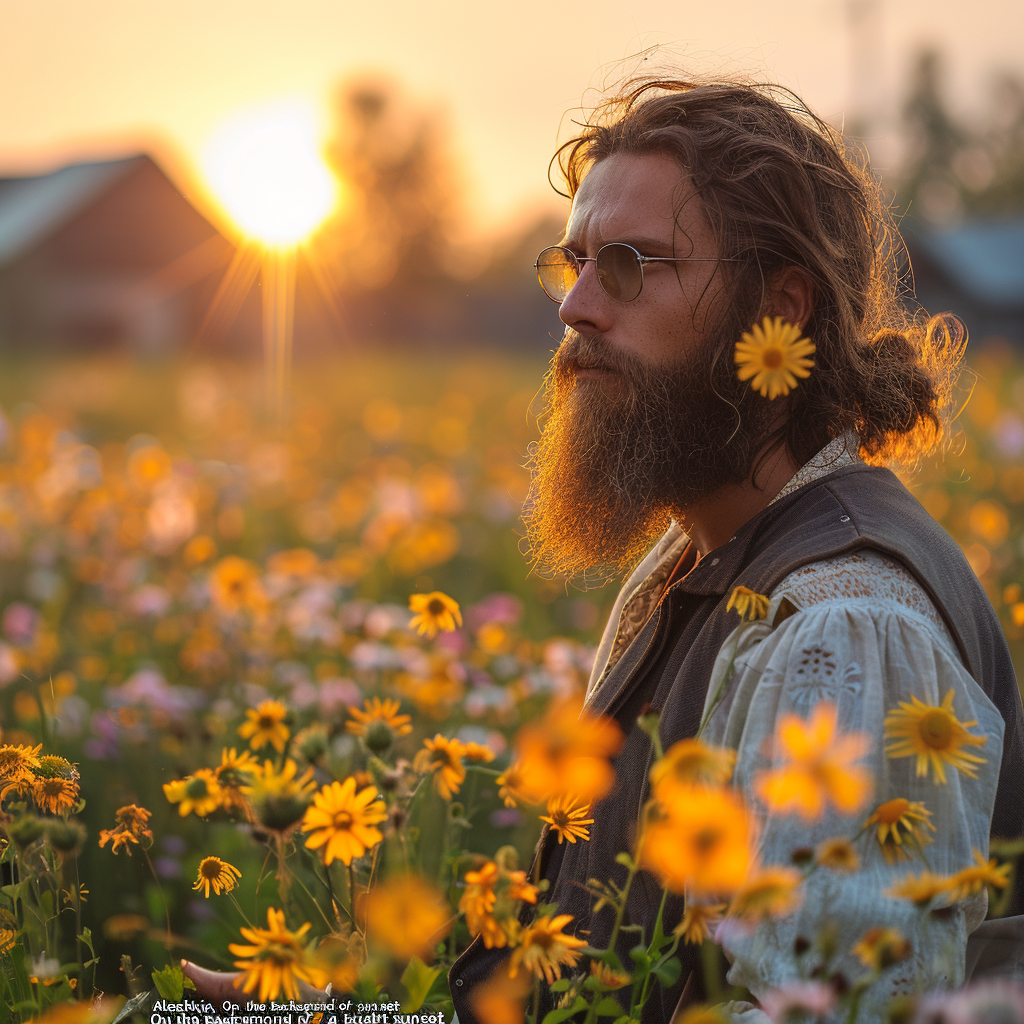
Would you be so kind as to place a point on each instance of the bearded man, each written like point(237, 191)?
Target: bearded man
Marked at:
point(700, 212)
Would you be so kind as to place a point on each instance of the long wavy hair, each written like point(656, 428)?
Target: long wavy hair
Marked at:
point(781, 188)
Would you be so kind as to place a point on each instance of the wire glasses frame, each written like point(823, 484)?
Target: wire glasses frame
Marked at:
point(620, 269)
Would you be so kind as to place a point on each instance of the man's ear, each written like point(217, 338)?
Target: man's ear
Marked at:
point(791, 296)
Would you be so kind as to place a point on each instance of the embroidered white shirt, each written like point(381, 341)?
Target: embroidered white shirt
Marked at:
point(865, 637)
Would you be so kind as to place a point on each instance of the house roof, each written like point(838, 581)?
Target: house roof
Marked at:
point(985, 259)
point(32, 208)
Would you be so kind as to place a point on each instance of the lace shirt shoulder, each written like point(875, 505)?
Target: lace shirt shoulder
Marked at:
point(865, 578)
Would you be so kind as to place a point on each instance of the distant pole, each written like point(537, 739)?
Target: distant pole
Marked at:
point(278, 285)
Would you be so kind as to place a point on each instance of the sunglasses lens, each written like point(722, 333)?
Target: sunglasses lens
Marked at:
point(557, 271)
point(619, 271)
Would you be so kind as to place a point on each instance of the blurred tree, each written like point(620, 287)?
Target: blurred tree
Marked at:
point(953, 166)
point(400, 213)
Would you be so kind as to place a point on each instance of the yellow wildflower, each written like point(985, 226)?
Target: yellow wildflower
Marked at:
point(697, 921)
point(406, 916)
point(342, 821)
point(266, 725)
point(216, 873)
point(543, 948)
point(771, 892)
point(934, 736)
point(894, 814)
point(749, 605)
point(443, 757)
point(433, 612)
point(967, 881)
point(276, 959)
point(817, 766)
point(774, 354)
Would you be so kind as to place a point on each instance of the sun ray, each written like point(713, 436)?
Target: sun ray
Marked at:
point(230, 294)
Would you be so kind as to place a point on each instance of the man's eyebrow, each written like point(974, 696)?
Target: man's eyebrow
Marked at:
point(644, 245)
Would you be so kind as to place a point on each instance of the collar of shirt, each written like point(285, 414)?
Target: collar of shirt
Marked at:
point(648, 582)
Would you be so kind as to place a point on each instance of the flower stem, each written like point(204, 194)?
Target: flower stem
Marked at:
point(709, 962)
point(160, 892)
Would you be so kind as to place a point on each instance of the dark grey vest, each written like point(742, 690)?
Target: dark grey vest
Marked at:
point(668, 666)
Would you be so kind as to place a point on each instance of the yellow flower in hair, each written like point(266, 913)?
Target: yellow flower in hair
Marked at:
point(934, 735)
point(434, 611)
point(774, 355)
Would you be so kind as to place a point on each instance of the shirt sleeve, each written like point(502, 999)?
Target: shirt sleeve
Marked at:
point(865, 656)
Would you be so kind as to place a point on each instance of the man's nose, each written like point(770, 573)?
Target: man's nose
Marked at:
point(587, 308)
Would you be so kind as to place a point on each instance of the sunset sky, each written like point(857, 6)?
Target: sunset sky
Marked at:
point(106, 77)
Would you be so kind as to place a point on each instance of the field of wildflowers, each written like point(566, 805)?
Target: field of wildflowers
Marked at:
point(286, 700)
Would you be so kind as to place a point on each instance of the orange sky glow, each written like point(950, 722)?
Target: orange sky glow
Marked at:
point(107, 77)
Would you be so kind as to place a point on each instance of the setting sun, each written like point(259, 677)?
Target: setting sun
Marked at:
point(266, 169)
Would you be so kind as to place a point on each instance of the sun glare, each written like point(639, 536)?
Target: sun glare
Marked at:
point(266, 169)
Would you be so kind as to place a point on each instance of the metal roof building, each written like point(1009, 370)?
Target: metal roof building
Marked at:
point(975, 270)
point(104, 254)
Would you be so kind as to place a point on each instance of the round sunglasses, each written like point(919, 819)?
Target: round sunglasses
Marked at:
point(620, 269)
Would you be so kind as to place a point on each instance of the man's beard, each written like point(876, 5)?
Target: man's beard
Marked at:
point(620, 456)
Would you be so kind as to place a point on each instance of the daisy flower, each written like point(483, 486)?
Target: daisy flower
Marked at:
point(342, 821)
point(266, 725)
point(216, 873)
point(275, 960)
point(749, 605)
point(380, 711)
point(443, 757)
point(434, 612)
point(772, 892)
point(817, 766)
point(933, 735)
point(774, 354)
point(543, 948)
point(899, 813)
point(568, 818)
point(967, 881)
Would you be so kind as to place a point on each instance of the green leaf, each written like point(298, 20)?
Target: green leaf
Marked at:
point(557, 1016)
point(608, 1007)
point(667, 971)
point(86, 937)
point(625, 860)
point(417, 979)
point(561, 985)
point(640, 956)
point(170, 983)
point(626, 1019)
point(17, 891)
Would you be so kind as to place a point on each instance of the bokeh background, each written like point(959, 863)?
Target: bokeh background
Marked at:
point(225, 467)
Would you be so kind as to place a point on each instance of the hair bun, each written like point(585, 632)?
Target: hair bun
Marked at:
point(892, 347)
